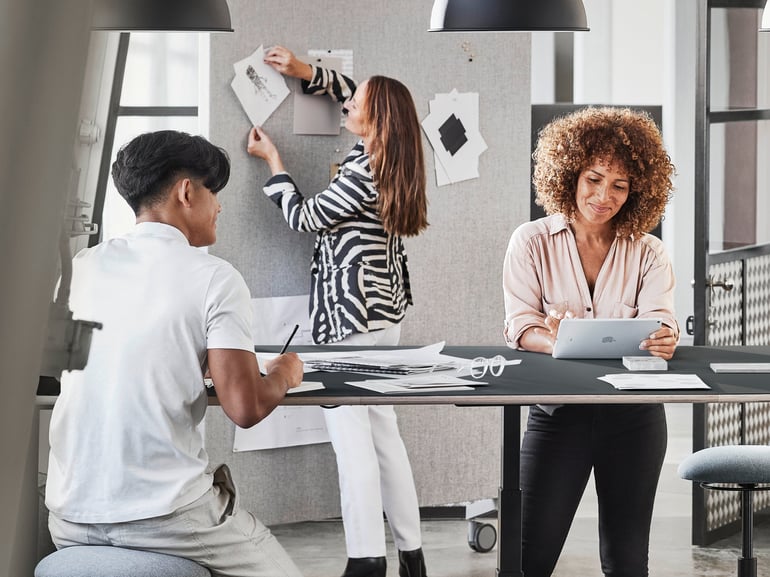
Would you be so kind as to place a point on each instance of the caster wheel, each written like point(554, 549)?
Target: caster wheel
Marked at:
point(481, 536)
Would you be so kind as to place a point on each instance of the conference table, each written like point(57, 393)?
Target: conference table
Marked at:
point(537, 379)
point(541, 379)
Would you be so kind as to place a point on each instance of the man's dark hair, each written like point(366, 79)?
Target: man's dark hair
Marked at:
point(151, 162)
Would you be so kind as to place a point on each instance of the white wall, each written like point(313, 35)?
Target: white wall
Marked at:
point(641, 53)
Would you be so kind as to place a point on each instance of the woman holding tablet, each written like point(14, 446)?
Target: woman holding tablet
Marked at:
point(604, 179)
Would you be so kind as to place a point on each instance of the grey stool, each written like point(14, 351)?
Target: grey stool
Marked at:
point(746, 468)
point(97, 561)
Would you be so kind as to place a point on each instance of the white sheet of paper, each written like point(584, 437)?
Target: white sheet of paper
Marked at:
point(463, 165)
point(442, 178)
point(273, 319)
point(306, 386)
point(259, 87)
point(284, 427)
point(385, 386)
point(433, 380)
point(654, 381)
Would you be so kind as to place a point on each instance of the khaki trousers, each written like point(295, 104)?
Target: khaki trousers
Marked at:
point(212, 531)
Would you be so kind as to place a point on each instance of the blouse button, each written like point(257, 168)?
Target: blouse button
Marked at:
point(588, 309)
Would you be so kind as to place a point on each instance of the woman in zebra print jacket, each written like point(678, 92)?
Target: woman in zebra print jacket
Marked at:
point(360, 291)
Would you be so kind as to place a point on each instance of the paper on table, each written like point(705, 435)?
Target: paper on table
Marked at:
point(740, 367)
point(305, 386)
point(434, 380)
point(385, 386)
point(427, 355)
point(262, 359)
point(421, 357)
point(653, 382)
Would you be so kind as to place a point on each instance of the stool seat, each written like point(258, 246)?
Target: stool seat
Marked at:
point(98, 561)
point(739, 464)
point(747, 466)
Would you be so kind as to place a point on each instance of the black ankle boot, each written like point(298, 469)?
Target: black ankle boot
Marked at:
point(365, 567)
point(411, 564)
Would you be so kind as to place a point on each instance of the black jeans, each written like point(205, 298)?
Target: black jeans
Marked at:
point(625, 446)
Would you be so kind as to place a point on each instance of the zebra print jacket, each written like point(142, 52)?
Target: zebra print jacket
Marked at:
point(359, 276)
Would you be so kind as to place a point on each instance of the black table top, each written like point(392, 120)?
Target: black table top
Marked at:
point(541, 379)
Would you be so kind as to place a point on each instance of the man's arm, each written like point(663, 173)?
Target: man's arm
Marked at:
point(244, 394)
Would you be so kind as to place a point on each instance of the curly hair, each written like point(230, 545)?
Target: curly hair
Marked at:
point(629, 138)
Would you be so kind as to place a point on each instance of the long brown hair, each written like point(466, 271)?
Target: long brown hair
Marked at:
point(396, 156)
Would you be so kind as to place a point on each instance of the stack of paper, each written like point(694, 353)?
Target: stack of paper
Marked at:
point(453, 130)
point(654, 382)
point(396, 368)
point(416, 384)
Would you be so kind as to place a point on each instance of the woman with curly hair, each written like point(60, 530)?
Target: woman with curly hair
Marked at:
point(604, 179)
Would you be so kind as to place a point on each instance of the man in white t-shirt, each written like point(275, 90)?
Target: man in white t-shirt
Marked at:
point(128, 465)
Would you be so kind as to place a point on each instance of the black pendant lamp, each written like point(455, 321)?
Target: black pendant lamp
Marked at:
point(161, 15)
point(507, 16)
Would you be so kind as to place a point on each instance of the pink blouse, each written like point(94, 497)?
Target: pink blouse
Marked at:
point(542, 271)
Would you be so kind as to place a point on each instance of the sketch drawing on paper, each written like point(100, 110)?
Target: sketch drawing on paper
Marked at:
point(260, 88)
point(260, 83)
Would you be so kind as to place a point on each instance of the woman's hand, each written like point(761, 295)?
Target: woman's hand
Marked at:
point(538, 340)
point(260, 146)
point(662, 343)
point(542, 339)
point(284, 61)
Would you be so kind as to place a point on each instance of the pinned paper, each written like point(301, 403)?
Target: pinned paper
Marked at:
point(259, 87)
point(314, 113)
point(452, 127)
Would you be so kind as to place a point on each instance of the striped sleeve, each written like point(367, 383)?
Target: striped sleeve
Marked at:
point(331, 82)
point(351, 196)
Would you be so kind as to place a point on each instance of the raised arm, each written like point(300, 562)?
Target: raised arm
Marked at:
point(315, 80)
point(284, 61)
point(351, 195)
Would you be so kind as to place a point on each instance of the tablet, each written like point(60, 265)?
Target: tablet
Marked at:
point(602, 338)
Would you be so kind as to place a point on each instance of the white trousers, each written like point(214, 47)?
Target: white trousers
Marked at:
point(374, 470)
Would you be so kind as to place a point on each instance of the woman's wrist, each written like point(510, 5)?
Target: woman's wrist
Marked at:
point(275, 164)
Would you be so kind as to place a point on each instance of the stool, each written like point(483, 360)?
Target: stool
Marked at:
point(98, 561)
point(748, 467)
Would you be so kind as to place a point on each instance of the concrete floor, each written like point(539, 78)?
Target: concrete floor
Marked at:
point(318, 547)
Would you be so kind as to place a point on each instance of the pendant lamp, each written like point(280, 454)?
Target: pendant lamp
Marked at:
point(765, 26)
point(162, 15)
point(507, 15)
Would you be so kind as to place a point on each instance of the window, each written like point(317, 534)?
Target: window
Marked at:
point(160, 89)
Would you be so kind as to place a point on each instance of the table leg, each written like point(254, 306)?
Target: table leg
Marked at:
point(509, 499)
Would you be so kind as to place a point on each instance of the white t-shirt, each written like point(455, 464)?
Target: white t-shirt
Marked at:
point(126, 438)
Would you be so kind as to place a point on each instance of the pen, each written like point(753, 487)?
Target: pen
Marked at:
point(291, 336)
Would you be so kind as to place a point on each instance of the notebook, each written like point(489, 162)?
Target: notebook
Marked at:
point(602, 338)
